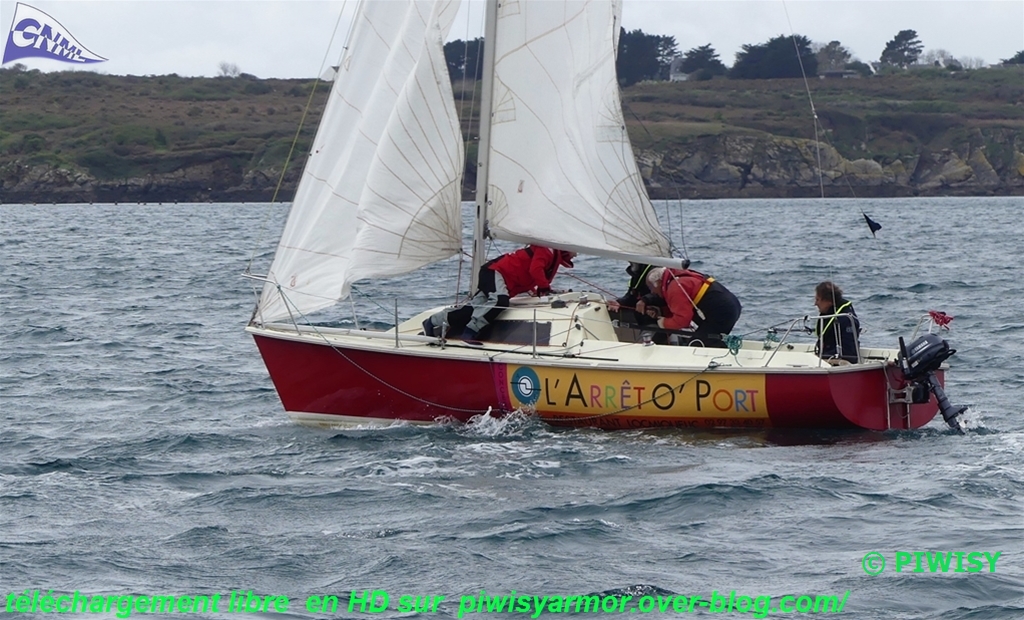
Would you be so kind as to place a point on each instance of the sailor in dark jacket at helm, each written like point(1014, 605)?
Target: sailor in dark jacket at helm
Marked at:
point(630, 307)
point(839, 334)
point(529, 269)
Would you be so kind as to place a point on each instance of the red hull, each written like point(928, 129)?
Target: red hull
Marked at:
point(395, 385)
point(844, 400)
point(313, 378)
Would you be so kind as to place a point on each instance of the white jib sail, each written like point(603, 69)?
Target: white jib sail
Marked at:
point(562, 170)
point(380, 193)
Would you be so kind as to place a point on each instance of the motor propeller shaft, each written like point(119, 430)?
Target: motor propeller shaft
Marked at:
point(950, 412)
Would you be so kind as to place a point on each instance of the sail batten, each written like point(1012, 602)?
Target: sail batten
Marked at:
point(647, 259)
point(380, 193)
point(561, 167)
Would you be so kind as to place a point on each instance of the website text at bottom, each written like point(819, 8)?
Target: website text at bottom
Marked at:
point(759, 606)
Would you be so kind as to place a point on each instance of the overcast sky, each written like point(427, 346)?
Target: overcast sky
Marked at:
point(279, 38)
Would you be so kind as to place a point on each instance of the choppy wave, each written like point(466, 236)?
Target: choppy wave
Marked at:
point(144, 450)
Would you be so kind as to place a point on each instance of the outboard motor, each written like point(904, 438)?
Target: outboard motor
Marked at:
point(919, 363)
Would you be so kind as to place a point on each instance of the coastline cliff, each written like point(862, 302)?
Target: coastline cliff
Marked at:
point(84, 137)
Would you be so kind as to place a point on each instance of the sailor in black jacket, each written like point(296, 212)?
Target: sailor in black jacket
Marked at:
point(631, 306)
point(838, 329)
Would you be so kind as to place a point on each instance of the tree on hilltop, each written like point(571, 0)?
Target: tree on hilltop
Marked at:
point(229, 69)
point(703, 58)
point(833, 56)
point(903, 50)
point(780, 57)
point(1016, 59)
point(643, 56)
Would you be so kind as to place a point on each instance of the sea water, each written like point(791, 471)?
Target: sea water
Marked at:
point(144, 452)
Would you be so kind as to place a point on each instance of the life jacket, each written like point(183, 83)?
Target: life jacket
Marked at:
point(638, 279)
point(674, 274)
point(839, 338)
point(683, 290)
point(819, 329)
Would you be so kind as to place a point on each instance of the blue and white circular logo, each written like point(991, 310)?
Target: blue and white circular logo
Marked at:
point(526, 385)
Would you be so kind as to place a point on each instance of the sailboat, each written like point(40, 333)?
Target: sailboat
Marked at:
point(380, 196)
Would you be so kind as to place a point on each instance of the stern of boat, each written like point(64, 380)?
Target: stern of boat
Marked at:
point(877, 400)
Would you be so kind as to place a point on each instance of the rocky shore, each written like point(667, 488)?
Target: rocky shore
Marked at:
point(205, 182)
point(717, 167)
point(776, 167)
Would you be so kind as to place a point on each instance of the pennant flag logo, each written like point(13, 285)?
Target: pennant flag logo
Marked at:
point(36, 34)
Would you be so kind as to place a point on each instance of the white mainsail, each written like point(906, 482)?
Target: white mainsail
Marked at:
point(380, 193)
point(561, 168)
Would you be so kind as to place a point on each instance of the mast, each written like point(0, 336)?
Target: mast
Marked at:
point(483, 148)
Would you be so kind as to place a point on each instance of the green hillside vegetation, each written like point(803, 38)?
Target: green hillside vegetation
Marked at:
point(118, 127)
point(127, 126)
point(880, 118)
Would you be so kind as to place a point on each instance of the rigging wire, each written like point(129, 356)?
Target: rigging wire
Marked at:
point(466, 118)
point(873, 226)
point(807, 87)
point(672, 247)
point(369, 298)
point(597, 288)
point(817, 142)
point(298, 130)
point(626, 153)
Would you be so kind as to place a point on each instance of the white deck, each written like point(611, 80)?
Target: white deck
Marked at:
point(581, 335)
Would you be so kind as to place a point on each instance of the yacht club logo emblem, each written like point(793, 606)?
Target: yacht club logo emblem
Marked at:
point(36, 34)
point(526, 385)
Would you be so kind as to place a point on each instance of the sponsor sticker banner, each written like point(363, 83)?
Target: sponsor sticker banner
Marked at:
point(706, 398)
point(34, 34)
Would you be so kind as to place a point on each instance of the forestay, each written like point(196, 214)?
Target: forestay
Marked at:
point(562, 170)
point(380, 193)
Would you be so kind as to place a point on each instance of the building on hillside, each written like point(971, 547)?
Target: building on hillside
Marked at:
point(675, 70)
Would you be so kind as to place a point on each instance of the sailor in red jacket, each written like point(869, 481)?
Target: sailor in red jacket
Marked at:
point(527, 270)
point(692, 297)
